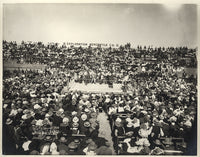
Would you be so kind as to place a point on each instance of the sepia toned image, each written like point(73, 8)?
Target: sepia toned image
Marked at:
point(99, 79)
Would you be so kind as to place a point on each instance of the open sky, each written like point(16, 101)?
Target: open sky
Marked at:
point(144, 24)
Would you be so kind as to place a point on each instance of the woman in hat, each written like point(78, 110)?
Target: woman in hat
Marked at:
point(65, 126)
point(118, 128)
point(53, 149)
point(90, 149)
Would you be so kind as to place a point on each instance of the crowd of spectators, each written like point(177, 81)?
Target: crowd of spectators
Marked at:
point(96, 64)
point(38, 114)
point(159, 99)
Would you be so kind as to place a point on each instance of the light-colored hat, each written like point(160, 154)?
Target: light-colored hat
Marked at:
point(118, 120)
point(63, 139)
point(9, 121)
point(5, 105)
point(87, 110)
point(75, 125)
point(157, 142)
point(24, 117)
point(173, 119)
point(74, 113)
point(83, 117)
point(72, 145)
point(61, 110)
point(188, 123)
point(36, 106)
point(39, 122)
point(19, 110)
point(47, 115)
point(92, 146)
point(128, 119)
point(65, 120)
point(75, 119)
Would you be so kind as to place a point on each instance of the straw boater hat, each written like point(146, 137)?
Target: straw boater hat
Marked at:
point(77, 141)
point(74, 113)
point(47, 115)
point(75, 119)
point(36, 106)
point(9, 121)
point(87, 110)
point(72, 145)
point(65, 120)
point(61, 110)
point(75, 125)
point(24, 117)
point(39, 122)
point(87, 124)
point(63, 139)
point(83, 117)
point(92, 146)
point(48, 138)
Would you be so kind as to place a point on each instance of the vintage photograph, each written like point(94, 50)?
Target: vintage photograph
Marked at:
point(99, 79)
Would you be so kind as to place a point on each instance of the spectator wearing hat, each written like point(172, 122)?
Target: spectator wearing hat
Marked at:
point(65, 127)
point(90, 149)
point(104, 150)
point(93, 130)
point(57, 119)
point(9, 129)
point(85, 128)
point(72, 148)
point(53, 149)
point(62, 144)
point(118, 128)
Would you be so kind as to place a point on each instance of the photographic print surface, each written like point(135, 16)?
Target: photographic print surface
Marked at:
point(99, 79)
